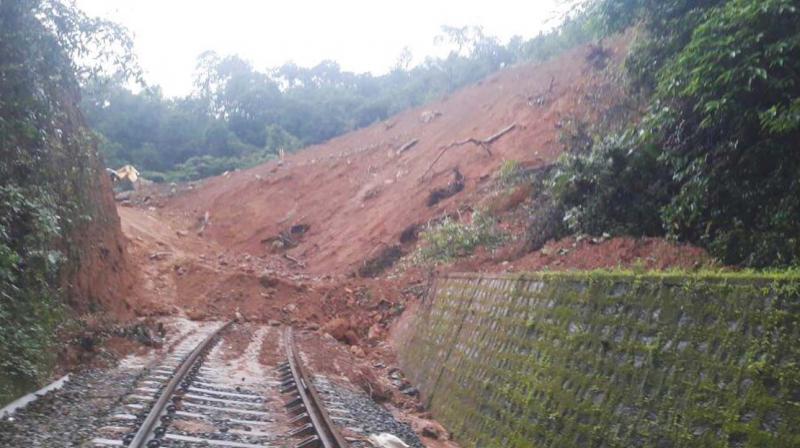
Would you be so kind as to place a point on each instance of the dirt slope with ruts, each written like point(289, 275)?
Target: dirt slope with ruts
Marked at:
point(351, 198)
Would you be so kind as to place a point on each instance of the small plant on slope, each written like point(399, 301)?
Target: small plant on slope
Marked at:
point(451, 239)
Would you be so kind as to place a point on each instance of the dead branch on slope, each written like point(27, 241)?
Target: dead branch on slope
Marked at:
point(204, 222)
point(407, 146)
point(294, 260)
point(482, 143)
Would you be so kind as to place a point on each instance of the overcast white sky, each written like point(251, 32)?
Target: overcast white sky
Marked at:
point(360, 35)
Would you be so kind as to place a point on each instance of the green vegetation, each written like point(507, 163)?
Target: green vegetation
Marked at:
point(239, 116)
point(615, 187)
point(449, 238)
point(28, 271)
point(509, 173)
point(714, 160)
point(612, 359)
point(48, 169)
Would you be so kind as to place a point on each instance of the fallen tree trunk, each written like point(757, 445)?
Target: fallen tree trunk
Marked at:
point(484, 143)
point(499, 134)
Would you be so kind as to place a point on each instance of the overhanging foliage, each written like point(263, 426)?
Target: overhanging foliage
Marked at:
point(714, 161)
point(47, 169)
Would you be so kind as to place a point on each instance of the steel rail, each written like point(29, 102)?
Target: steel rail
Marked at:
point(146, 431)
point(326, 431)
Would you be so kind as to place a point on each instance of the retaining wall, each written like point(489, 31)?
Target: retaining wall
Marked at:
point(611, 360)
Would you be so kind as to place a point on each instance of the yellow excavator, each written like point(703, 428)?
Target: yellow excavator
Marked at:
point(125, 178)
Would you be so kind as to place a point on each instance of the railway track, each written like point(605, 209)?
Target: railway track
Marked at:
point(305, 403)
point(190, 399)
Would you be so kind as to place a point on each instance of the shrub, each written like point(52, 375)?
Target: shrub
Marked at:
point(199, 167)
point(619, 186)
point(154, 176)
point(451, 239)
point(545, 223)
point(29, 268)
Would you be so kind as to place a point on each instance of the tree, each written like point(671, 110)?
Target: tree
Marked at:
point(403, 60)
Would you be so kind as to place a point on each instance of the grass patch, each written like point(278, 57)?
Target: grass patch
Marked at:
point(510, 173)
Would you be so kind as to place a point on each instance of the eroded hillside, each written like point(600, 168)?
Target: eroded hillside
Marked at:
point(354, 196)
point(297, 241)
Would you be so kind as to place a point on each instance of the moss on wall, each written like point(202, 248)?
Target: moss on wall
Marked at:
point(612, 359)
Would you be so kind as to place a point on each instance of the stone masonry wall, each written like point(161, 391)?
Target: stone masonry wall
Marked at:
point(611, 360)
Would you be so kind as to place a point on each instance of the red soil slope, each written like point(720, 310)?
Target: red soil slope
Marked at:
point(357, 194)
point(208, 249)
point(96, 275)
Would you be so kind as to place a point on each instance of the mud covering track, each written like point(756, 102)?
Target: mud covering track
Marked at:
point(151, 432)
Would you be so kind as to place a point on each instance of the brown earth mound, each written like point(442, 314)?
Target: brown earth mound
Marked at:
point(97, 275)
point(296, 241)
